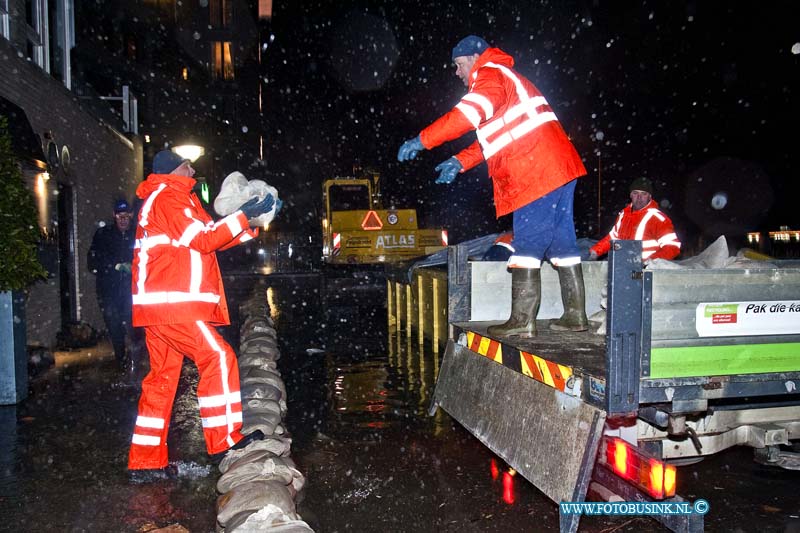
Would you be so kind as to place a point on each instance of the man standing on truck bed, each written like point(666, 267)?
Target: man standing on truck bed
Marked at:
point(533, 166)
point(642, 220)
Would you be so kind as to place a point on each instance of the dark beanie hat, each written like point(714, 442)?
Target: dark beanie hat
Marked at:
point(166, 161)
point(641, 184)
point(122, 206)
point(471, 44)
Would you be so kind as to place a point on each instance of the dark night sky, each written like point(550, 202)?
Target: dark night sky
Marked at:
point(659, 89)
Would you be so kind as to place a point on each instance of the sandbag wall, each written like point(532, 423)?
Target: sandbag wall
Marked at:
point(260, 484)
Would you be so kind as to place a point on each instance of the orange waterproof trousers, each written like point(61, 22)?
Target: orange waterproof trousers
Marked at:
point(217, 391)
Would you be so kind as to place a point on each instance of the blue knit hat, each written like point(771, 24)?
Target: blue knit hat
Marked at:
point(166, 161)
point(471, 44)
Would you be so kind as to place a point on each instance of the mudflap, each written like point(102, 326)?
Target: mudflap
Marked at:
point(547, 436)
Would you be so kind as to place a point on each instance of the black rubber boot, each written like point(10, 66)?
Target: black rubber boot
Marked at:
point(573, 296)
point(526, 295)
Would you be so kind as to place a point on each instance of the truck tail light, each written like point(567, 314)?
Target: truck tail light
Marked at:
point(655, 477)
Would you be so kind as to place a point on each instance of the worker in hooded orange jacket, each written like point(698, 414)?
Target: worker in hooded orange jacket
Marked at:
point(533, 166)
point(642, 220)
point(178, 298)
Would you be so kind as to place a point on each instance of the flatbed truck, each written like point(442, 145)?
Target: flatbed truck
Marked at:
point(692, 362)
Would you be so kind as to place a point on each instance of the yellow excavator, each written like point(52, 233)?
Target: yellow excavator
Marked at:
point(357, 229)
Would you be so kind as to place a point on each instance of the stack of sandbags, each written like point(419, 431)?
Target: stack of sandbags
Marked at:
point(260, 484)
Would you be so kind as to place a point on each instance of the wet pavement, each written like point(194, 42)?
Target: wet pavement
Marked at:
point(374, 460)
point(64, 454)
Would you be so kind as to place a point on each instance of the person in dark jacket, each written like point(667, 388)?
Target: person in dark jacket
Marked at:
point(110, 258)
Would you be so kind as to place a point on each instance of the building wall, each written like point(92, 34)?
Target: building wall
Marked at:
point(104, 165)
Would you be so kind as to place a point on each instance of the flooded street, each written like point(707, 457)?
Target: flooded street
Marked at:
point(374, 460)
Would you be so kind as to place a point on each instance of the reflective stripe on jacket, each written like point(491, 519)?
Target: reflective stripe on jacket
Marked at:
point(649, 225)
point(519, 136)
point(176, 278)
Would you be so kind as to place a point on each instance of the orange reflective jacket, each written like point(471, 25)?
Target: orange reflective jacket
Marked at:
point(519, 136)
point(176, 277)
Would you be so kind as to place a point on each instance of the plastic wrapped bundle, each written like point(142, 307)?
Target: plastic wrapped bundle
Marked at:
point(236, 190)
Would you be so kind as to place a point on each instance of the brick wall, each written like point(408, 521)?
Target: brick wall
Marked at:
point(104, 165)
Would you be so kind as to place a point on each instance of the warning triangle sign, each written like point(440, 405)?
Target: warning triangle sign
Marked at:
point(372, 221)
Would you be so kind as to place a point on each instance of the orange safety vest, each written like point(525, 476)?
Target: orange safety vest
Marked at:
point(649, 225)
point(176, 278)
point(519, 136)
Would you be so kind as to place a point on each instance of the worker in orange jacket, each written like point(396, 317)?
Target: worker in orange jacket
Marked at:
point(642, 220)
point(533, 166)
point(178, 298)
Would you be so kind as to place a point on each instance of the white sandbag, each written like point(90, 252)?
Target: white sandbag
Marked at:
point(267, 469)
point(261, 346)
point(275, 445)
point(245, 456)
point(260, 391)
point(252, 336)
point(267, 422)
point(270, 518)
point(260, 321)
point(256, 374)
point(253, 496)
point(260, 405)
point(258, 360)
point(236, 190)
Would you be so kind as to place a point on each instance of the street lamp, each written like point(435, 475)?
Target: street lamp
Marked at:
point(189, 151)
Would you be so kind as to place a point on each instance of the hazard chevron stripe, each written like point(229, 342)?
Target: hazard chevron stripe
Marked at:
point(533, 366)
point(547, 372)
point(485, 346)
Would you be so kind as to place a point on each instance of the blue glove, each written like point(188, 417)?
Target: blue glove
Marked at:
point(253, 208)
point(410, 149)
point(448, 170)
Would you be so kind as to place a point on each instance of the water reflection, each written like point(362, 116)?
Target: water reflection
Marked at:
point(379, 377)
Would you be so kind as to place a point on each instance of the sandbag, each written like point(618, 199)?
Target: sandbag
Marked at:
point(262, 347)
point(270, 519)
point(236, 190)
point(261, 318)
point(261, 405)
point(260, 375)
point(257, 360)
point(254, 322)
point(266, 468)
point(248, 455)
point(259, 336)
point(253, 496)
point(263, 391)
point(267, 422)
point(279, 446)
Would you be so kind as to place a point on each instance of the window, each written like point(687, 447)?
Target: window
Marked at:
point(36, 34)
point(61, 39)
point(221, 60)
point(220, 13)
point(349, 197)
point(264, 9)
point(4, 19)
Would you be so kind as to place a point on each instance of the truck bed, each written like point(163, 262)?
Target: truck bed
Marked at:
point(674, 336)
point(582, 351)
